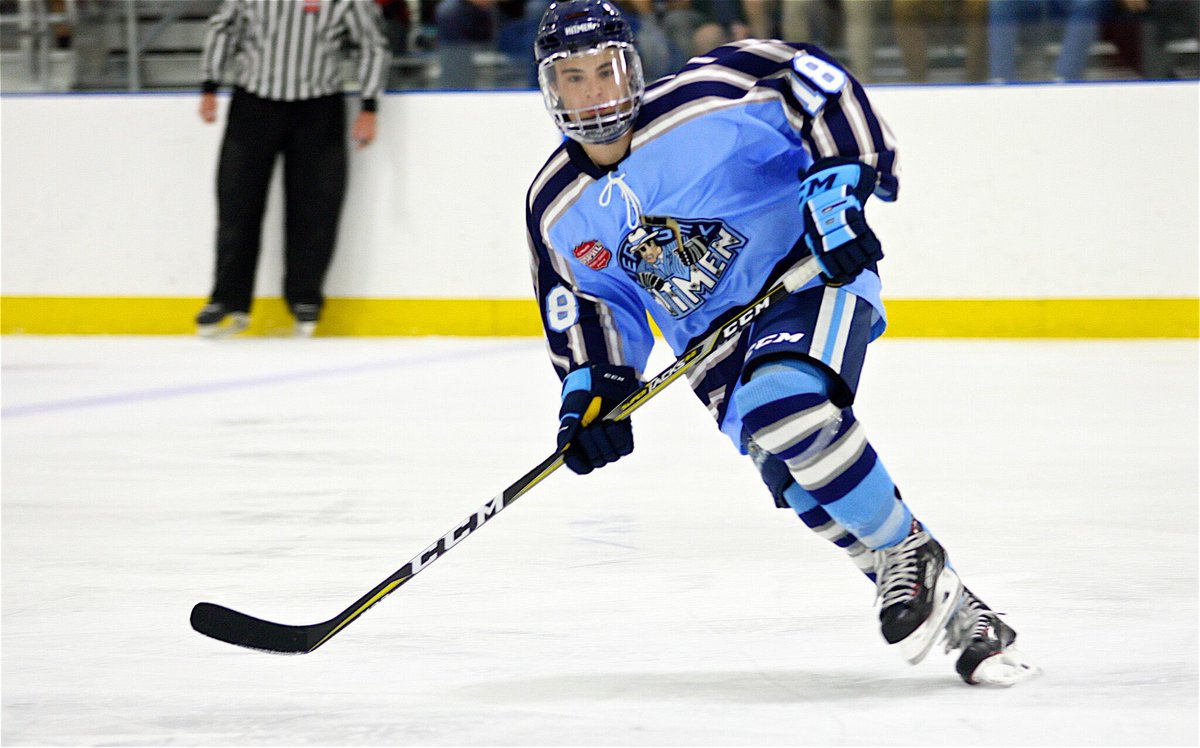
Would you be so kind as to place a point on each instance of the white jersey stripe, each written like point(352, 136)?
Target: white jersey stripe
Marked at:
point(559, 160)
point(842, 333)
point(824, 318)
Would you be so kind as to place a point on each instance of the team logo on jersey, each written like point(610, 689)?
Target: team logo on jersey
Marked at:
point(593, 254)
point(679, 261)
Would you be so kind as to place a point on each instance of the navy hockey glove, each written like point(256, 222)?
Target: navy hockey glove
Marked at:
point(588, 393)
point(832, 196)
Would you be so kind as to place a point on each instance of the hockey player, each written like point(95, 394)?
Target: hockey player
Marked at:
point(682, 199)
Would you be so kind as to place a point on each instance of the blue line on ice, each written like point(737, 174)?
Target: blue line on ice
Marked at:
point(202, 388)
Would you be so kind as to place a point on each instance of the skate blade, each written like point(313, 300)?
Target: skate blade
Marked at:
point(916, 645)
point(305, 329)
point(1004, 669)
point(231, 325)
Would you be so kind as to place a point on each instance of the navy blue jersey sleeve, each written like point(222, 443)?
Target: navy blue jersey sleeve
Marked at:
point(585, 322)
point(837, 118)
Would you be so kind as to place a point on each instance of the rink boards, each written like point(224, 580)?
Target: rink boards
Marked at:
point(1024, 211)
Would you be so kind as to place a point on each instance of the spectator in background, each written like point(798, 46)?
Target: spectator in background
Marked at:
point(697, 26)
point(463, 27)
point(791, 20)
point(397, 23)
point(89, 39)
point(660, 56)
point(518, 29)
point(694, 27)
point(288, 100)
point(1081, 22)
point(466, 27)
point(723, 21)
point(821, 22)
point(914, 19)
point(1142, 29)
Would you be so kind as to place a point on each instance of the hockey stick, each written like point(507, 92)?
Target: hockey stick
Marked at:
point(233, 627)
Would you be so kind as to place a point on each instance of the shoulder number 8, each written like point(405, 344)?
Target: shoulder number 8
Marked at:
point(827, 77)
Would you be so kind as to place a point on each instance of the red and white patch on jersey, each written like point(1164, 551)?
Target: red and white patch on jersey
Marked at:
point(593, 254)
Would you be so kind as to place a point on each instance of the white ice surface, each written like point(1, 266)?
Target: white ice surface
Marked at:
point(661, 601)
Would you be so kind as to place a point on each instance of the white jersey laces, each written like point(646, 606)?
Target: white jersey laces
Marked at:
point(633, 206)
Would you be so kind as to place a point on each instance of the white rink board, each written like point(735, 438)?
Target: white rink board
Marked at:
point(1039, 191)
point(661, 601)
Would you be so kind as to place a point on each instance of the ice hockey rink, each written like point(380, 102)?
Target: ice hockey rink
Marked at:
point(661, 601)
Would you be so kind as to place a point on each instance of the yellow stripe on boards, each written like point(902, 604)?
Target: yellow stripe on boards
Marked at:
point(47, 315)
point(1043, 318)
point(908, 318)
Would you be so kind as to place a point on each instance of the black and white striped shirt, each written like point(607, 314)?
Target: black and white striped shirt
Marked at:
point(290, 50)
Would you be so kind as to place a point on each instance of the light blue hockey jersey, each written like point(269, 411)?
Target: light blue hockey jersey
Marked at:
point(701, 215)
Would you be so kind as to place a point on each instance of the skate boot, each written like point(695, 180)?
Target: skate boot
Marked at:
point(307, 316)
point(989, 656)
point(917, 592)
point(214, 320)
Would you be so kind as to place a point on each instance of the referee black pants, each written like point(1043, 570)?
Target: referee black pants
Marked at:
point(311, 135)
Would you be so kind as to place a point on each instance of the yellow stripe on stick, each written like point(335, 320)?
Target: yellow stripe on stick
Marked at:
point(362, 609)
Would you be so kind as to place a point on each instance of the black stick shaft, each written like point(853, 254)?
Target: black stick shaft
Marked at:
point(230, 626)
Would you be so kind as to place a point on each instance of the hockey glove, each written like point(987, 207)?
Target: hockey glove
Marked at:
point(588, 393)
point(832, 196)
point(690, 252)
point(651, 281)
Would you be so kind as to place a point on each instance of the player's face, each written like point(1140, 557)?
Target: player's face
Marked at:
point(593, 94)
point(591, 85)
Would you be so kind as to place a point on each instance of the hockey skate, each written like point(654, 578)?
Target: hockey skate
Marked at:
point(917, 592)
point(988, 656)
point(215, 321)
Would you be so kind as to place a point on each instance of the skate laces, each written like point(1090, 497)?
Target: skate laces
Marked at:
point(972, 620)
point(897, 572)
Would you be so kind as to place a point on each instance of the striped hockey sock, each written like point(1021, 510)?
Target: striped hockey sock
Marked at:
point(819, 521)
point(787, 413)
point(789, 495)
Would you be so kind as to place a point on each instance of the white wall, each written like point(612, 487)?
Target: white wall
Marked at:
point(1031, 191)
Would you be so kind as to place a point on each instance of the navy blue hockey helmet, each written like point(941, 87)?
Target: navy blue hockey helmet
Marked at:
point(588, 70)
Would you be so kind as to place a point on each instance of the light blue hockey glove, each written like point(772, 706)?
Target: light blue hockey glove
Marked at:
point(832, 195)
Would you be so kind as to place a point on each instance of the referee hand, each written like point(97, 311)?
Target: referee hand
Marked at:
point(208, 107)
point(363, 131)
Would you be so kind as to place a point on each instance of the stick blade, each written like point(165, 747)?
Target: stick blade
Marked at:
point(228, 625)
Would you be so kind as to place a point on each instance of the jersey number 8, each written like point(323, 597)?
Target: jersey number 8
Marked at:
point(562, 309)
point(814, 79)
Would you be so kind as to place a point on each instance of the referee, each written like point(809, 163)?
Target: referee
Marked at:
point(285, 60)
